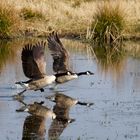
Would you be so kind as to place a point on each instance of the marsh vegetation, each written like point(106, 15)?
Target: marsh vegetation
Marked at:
point(108, 24)
point(73, 18)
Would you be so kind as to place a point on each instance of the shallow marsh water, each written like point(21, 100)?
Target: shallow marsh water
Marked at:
point(114, 90)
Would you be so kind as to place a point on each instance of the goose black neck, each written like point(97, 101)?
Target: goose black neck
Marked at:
point(85, 104)
point(82, 103)
point(60, 74)
point(81, 73)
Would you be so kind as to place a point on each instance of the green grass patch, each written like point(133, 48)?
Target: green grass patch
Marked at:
point(108, 24)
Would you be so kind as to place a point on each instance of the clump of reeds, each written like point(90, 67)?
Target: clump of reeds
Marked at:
point(108, 24)
point(9, 20)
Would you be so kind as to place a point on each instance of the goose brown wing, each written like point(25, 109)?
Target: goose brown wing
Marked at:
point(33, 62)
point(39, 56)
point(58, 52)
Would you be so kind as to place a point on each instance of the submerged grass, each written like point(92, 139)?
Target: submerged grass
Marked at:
point(110, 60)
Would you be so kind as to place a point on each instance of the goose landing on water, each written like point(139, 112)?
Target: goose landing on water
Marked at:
point(60, 60)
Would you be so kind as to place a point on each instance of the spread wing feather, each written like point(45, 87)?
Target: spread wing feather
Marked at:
point(33, 61)
point(58, 52)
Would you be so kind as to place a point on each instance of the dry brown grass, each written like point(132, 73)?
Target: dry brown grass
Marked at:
point(9, 20)
point(64, 16)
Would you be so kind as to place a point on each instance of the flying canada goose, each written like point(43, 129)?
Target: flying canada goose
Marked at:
point(34, 67)
point(60, 60)
point(37, 109)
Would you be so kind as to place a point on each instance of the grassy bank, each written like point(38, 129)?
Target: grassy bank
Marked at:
point(68, 17)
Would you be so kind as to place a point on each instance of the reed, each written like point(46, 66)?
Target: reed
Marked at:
point(108, 23)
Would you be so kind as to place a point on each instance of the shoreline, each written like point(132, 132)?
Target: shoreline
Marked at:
point(77, 36)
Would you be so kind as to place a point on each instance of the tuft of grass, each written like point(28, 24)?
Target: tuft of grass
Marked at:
point(108, 23)
point(28, 13)
point(9, 21)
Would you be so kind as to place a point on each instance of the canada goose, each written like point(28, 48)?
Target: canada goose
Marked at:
point(60, 60)
point(34, 67)
point(34, 128)
point(37, 109)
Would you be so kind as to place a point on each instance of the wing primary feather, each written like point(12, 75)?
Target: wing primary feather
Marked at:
point(33, 61)
point(58, 52)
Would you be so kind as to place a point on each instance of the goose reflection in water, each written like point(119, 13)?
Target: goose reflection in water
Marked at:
point(34, 128)
point(62, 109)
point(34, 125)
point(37, 109)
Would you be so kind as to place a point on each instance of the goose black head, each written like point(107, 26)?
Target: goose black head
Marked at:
point(89, 73)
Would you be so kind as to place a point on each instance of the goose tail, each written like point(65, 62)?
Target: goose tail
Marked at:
point(22, 84)
point(23, 109)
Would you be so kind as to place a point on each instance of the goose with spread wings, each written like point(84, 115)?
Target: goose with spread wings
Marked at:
point(60, 60)
point(34, 67)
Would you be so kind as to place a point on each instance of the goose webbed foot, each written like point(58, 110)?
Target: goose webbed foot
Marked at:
point(19, 96)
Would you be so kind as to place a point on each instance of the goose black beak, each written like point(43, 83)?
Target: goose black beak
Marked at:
point(91, 73)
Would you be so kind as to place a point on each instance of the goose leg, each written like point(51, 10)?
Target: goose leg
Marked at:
point(20, 93)
point(18, 96)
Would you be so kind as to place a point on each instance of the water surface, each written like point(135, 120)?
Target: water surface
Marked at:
point(114, 90)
